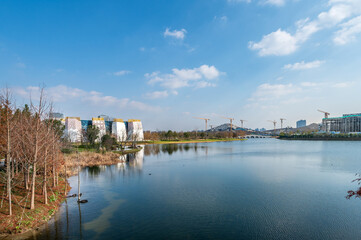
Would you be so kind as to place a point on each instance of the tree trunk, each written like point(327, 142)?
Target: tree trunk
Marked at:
point(32, 204)
point(26, 178)
point(65, 191)
point(8, 172)
point(54, 175)
point(8, 167)
point(44, 184)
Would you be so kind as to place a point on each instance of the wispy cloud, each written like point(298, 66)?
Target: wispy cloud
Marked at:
point(121, 73)
point(177, 34)
point(157, 94)
point(62, 93)
point(304, 65)
point(348, 31)
point(275, 2)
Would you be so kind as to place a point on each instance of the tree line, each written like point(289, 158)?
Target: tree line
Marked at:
point(175, 136)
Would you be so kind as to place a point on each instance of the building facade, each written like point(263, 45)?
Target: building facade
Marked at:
point(73, 130)
point(348, 123)
point(100, 124)
point(123, 130)
point(119, 129)
point(135, 130)
point(301, 123)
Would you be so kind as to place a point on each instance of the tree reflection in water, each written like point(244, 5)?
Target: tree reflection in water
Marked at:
point(169, 149)
point(94, 171)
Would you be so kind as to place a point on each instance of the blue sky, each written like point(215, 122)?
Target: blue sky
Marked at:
point(166, 62)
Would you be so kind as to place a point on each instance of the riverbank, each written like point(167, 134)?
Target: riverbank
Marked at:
point(24, 219)
point(192, 141)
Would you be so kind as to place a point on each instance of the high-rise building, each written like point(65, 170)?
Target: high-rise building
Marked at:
point(348, 123)
point(301, 123)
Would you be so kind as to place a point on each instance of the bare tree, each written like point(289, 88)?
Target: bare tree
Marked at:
point(7, 134)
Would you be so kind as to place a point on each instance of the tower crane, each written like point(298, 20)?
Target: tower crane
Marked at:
point(205, 119)
point(326, 113)
point(231, 121)
point(282, 119)
point(242, 121)
point(274, 125)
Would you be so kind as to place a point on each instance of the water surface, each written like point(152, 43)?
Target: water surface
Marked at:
point(254, 189)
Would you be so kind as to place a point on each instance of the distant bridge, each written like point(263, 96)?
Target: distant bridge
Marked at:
point(256, 136)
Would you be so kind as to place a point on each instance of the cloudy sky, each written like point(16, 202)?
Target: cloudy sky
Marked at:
point(166, 62)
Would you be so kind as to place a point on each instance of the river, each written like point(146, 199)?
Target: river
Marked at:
point(254, 189)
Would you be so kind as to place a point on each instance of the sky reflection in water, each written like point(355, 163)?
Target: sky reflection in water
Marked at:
point(255, 189)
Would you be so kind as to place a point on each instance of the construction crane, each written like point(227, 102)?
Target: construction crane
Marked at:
point(242, 121)
point(274, 125)
point(205, 119)
point(231, 121)
point(282, 119)
point(326, 113)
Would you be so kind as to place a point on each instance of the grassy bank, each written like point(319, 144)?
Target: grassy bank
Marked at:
point(192, 141)
point(23, 218)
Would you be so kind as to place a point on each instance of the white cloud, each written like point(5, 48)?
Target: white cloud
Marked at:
point(121, 73)
point(277, 43)
point(195, 77)
point(178, 34)
point(157, 94)
point(281, 42)
point(303, 65)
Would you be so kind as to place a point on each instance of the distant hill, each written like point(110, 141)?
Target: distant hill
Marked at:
point(309, 128)
point(223, 127)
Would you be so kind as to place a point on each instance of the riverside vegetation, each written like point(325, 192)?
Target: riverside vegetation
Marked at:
point(36, 160)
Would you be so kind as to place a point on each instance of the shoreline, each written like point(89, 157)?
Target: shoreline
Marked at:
point(194, 141)
point(40, 216)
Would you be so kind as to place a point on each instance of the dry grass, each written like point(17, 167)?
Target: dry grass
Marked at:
point(88, 159)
